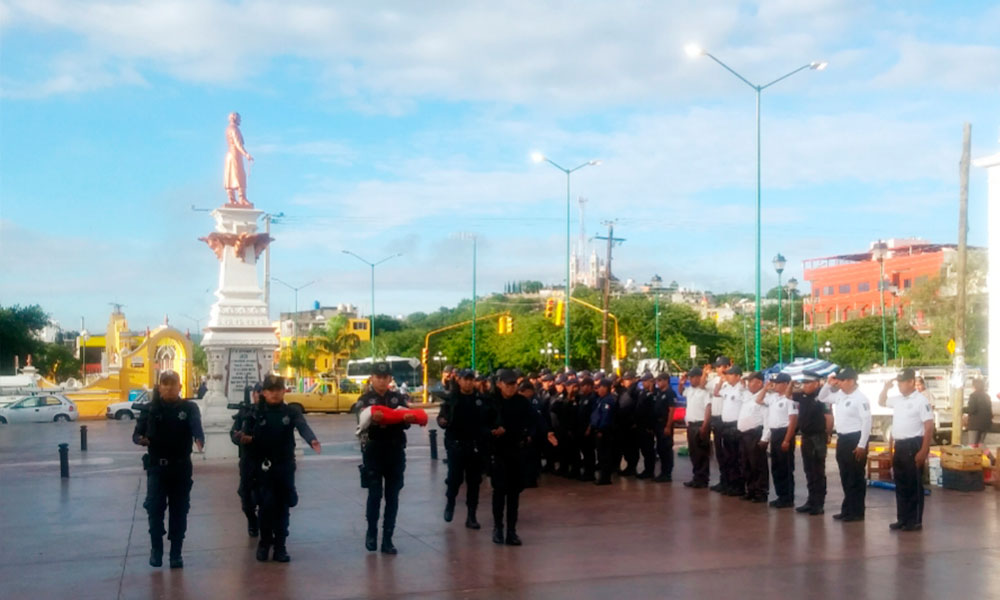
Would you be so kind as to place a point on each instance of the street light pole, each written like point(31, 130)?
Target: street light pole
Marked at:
point(880, 250)
point(779, 266)
point(539, 157)
point(656, 281)
point(693, 50)
point(371, 334)
point(474, 238)
point(295, 326)
point(793, 283)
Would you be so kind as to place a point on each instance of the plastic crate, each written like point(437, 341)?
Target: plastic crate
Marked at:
point(962, 481)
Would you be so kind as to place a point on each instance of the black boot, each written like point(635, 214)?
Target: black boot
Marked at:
point(156, 553)
point(512, 539)
point(498, 534)
point(252, 528)
point(263, 548)
point(371, 539)
point(176, 562)
point(449, 511)
point(387, 547)
point(470, 520)
point(280, 553)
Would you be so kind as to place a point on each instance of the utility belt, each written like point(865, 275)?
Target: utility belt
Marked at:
point(758, 430)
point(151, 461)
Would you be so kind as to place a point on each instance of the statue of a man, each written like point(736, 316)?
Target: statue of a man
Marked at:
point(234, 177)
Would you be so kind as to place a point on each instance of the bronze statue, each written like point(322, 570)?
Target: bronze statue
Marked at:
point(234, 177)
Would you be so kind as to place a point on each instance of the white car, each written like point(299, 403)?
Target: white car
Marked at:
point(128, 410)
point(40, 409)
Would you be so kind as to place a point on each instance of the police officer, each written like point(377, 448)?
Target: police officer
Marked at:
point(513, 432)
point(753, 444)
point(852, 419)
point(246, 490)
point(779, 430)
point(602, 426)
point(586, 402)
point(645, 421)
point(269, 435)
point(713, 380)
point(698, 416)
point(167, 428)
point(664, 403)
point(383, 452)
point(466, 419)
point(815, 424)
point(626, 425)
point(912, 433)
point(564, 414)
point(540, 447)
point(730, 393)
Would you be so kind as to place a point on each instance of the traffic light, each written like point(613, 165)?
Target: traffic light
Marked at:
point(559, 312)
point(423, 355)
point(508, 324)
point(622, 346)
point(550, 307)
point(501, 325)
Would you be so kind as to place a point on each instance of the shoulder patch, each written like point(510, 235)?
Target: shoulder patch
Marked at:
point(182, 415)
point(928, 407)
point(285, 420)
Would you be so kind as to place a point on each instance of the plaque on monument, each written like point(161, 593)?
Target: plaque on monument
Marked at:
point(245, 366)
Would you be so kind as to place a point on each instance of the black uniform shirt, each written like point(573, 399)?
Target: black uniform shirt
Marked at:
point(273, 430)
point(170, 427)
point(812, 413)
point(467, 417)
point(518, 420)
point(385, 434)
point(663, 401)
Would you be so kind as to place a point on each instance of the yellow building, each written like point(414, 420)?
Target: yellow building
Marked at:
point(294, 330)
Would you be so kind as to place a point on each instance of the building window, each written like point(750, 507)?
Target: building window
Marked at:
point(360, 325)
point(816, 293)
point(844, 288)
point(828, 290)
point(906, 284)
point(864, 286)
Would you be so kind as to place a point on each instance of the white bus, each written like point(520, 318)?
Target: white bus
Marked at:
point(404, 370)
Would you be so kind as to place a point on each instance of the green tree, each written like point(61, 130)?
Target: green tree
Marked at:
point(19, 326)
point(299, 357)
point(57, 362)
point(335, 339)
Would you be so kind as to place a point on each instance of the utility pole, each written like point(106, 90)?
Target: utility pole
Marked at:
point(607, 290)
point(958, 365)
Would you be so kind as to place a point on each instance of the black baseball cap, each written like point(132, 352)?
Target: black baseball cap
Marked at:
point(381, 369)
point(646, 376)
point(734, 371)
point(810, 375)
point(273, 382)
point(628, 375)
point(755, 375)
point(466, 374)
point(781, 378)
point(695, 372)
point(663, 376)
point(847, 374)
point(548, 377)
point(604, 382)
point(906, 374)
point(525, 386)
point(587, 380)
point(506, 376)
point(722, 361)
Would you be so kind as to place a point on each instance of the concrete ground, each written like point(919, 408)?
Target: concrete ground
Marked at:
point(85, 537)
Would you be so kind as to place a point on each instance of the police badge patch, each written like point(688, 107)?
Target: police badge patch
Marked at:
point(182, 415)
point(285, 420)
point(479, 402)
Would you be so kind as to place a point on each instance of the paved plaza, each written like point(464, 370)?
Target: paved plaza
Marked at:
point(85, 537)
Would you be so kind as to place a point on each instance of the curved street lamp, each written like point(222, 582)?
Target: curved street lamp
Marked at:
point(792, 284)
point(371, 334)
point(880, 251)
point(779, 263)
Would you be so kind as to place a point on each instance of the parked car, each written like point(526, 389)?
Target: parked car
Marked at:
point(40, 409)
point(128, 410)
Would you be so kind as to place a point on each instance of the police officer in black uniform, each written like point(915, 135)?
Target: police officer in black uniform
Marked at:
point(565, 413)
point(466, 419)
point(246, 491)
point(602, 427)
point(587, 400)
point(383, 451)
point(269, 435)
point(664, 402)
point(626, 426)
point(645, 421)
point(815, 424)
point(513, 434)
point(167, 428)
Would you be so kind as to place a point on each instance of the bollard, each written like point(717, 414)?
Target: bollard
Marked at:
point(64, 460)
point(83, 438)
point(434, 443)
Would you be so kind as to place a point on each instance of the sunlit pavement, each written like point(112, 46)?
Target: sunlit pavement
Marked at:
point(85, 537)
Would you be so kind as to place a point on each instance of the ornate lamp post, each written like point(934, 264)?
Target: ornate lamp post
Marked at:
point(880, 252)
point(792, 284)
point(779, 266)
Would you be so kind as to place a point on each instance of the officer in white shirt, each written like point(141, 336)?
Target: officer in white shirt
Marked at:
point(716, 380)
point(753, 446)
point(779, 431)
point(912, 432)
point(730, 395)
point(852, 418)
point(697, 414)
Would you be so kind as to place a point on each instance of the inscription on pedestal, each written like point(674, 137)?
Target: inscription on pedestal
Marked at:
point(244, 367)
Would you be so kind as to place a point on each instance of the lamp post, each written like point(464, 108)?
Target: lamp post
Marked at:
point(693, 50)
point(825, 350)
point(547, 353)
point(895, 313)
point(638, 352)
point(879, 253)
point(779, 266)
point(439, 359)
point(813, 327)
point(295, 325)
point(372, 319)
point(473, 237)
point(538, 157)
point(792, 284)
point(655, 283)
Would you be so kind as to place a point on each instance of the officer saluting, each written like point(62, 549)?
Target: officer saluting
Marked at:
point(246, 490)
point(269, 434)
point(815, 423)
point(384, 457)
point(167, 428)
point(698, 416)
point(912, 432)
point(466, 419)
point(853, 422)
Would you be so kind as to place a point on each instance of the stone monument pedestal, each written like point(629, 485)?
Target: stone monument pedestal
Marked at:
point(992, 165)
point(239, 339)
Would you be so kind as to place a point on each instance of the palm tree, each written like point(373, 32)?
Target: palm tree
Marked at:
point(337, 340)
point(298, 357)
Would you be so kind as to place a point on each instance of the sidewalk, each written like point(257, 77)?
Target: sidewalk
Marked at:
point(86, 537)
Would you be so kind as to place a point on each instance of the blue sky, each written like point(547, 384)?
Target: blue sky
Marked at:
point(392, 127)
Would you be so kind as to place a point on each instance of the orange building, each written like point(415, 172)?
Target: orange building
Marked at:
point(847, 287)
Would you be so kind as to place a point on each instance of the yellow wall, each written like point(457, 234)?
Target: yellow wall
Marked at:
point(324, 361)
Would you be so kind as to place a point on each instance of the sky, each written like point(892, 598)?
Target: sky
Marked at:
point(395, 127)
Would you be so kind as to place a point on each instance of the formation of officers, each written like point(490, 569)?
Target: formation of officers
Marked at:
point(586, 426)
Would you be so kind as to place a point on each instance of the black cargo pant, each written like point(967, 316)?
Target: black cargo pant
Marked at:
point(607, 456)
point(168, 484)
point(627, 447)
point(647, 448)
point(246, 490)
point(909, 482)
point(276, 493)
point(783, 466)
point(700, 449)
point(665, 450)
point(729, 459)
point(465, 463)
point(569, 454)
point(384, 464)
point(715, 424)
point(508, 480)
point(588, 451)
point(814, 464)
point(753, 460)
point(852, 474)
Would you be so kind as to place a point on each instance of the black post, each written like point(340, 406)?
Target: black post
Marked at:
point(434, 443)
point(64, 461)
point(83, 438)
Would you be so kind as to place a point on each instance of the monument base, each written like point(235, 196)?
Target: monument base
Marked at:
point(218, 444)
